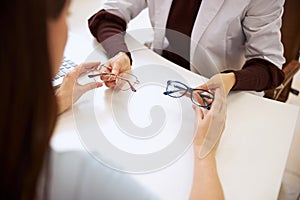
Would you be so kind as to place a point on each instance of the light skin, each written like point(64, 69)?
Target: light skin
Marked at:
point(224, 80)
point(121, 63)
point(206, 183)
point(70, 90)
point(118, 64)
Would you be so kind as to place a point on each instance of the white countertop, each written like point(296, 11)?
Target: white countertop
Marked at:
point(251, 157)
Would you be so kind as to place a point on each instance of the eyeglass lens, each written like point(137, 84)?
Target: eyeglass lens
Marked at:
point(200, 97)
point(176, 89)
point(126, 81)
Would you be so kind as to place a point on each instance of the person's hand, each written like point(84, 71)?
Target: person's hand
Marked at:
point(117, 64)
point(225, 81)
point(209, 125)
point(208, 128)
point(70, 90)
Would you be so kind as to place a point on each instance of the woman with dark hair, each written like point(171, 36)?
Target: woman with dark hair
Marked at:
point(34, 35)
point(33, 39)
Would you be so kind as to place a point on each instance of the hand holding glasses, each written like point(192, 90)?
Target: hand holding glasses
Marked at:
point(124, 80)
point(200, 97)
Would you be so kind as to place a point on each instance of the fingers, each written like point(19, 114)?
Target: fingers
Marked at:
point(116, 68)
point(116, 65)
point(215, 122)
point(209, 125)
point(187, 94)
point(83, 68)
point(219, 105)
point(210, 85)
point(110, 84)
point(213, 83)
point(120, 63)
point(198, 111)
point(89, 66)
point(90, 86)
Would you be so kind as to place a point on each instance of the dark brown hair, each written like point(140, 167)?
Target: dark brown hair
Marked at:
point(27, 103)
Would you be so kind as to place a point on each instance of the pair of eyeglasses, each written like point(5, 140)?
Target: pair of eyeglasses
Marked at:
point(200, 97)
point(124, 81)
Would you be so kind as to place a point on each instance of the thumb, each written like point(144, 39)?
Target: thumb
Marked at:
point(115, 69)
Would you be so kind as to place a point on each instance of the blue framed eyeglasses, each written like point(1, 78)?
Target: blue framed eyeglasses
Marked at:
point(200, 97)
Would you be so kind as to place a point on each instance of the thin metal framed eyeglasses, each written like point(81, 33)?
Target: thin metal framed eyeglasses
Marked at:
point(124, 81)
point(200, 97)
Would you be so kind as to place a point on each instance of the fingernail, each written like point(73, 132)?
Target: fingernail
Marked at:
point(99, 84)
point(194, 107)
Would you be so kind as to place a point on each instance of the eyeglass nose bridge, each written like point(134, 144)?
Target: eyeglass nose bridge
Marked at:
point(189, 90)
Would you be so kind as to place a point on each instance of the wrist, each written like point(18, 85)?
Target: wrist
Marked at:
point(208, 160)
point(62, 105)
point(229, 80)
point(211, 155)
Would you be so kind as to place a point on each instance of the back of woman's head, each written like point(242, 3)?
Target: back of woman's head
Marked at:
point(27, 104)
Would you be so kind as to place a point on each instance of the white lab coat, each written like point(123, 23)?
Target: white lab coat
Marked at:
point(226, 33)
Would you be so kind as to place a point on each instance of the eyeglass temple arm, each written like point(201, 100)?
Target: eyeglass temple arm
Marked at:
point(93, 75)
point(101, 74)
point(178, 87)
point(131, 86)
point(124, 79)
point(168, 92)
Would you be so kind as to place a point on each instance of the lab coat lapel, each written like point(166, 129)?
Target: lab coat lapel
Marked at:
point(207, 12)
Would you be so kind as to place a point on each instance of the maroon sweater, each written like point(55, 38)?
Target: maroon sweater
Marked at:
point(256, 74)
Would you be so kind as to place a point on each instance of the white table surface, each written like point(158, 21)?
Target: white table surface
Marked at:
point(252, 152)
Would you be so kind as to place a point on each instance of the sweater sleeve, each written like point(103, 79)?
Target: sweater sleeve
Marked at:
point(109, 30)
point(257, 74)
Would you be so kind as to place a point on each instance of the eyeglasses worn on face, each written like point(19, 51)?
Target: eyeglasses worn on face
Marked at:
point(200, 97)
point(124, 81)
